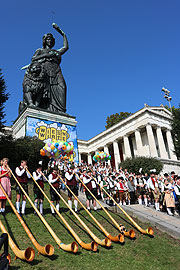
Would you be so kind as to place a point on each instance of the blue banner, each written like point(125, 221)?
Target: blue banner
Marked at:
point(48, 130)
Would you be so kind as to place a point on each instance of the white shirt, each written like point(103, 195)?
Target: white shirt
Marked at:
point(51, 180)
point(20, 172)
point(177, 190)
point(37, 176)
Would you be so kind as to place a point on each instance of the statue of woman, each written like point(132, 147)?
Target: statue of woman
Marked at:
point(54, 96)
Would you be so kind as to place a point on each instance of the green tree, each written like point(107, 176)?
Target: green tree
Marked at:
point(27, 148)
point(134, 164)
point(176, 129)
point(116, 118)
point(3, 98)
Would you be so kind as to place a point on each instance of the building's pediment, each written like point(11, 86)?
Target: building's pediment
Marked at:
point(160, 110)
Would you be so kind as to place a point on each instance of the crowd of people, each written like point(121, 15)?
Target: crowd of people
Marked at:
point(97, 181)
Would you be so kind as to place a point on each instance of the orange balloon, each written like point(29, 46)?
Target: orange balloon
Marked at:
point(64, 147)
point(52, 146)
point(42, 152)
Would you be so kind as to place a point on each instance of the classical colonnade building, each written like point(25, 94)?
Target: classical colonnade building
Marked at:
point(145, 133)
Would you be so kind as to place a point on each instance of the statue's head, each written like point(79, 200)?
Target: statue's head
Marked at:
point(49, 40)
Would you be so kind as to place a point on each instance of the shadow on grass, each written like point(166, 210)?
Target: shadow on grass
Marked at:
point(73, 221)
point(8, 228)
point(95, 226)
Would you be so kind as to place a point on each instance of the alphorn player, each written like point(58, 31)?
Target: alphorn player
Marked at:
point(91, 185)
point(38, 196)
point(54, 180)
point(22, 176)
point(72, 183)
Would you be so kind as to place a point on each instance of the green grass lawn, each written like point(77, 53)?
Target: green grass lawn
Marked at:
point(160, 252)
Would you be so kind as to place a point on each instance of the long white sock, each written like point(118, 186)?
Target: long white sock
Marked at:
point(145, 201)
point(140, 201)
point(129, 202)
point(157, 205)
point(169, 211)
point(52, 209)
point(23, 207)
point(76, 205)
point(18, 207)
point(70, 203)
point(41, 207)
point(57, 206)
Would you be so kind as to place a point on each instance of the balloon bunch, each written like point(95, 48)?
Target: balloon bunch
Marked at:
point(57, 150)
point(101, 156)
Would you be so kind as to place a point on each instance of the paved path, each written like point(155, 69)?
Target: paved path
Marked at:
point(160, 220)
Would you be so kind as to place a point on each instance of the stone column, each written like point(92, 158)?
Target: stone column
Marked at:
point(89, 159)
point(127, 147)
point(139, 142)
point(162, 148)
point(151, 141)
point(106, 150)
point(170, 145)
point(116, 154)
point(79, 157)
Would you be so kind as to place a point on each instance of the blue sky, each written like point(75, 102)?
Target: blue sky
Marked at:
point(121, 54)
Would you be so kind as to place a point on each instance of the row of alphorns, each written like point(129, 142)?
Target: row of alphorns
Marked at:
point(48, 250)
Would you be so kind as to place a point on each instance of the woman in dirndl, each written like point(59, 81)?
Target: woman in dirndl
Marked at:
point(5, 183)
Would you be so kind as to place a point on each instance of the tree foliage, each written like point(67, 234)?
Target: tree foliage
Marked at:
point(3, 98)
point(27, 148)
point(176, 130)
point(116, 118)
point(134, 164)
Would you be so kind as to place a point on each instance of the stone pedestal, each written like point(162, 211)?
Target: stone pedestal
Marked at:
point(46, 126)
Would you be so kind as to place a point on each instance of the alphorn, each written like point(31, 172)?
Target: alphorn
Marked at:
point(105, 242)
point(130, 233)
point(148, 231)
point(73, 247)
point(48, 250)
point(118, 238)
point(89, 246)
point(26, 255)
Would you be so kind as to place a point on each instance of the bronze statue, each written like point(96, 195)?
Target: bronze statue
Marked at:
point(44, 85)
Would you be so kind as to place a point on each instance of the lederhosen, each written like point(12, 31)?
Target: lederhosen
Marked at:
point(73, 185)
point(90, 187)
point(140, 191)
point(56, 185)
point(156, 191)
point(37, 192)
point(122, 193)
point(23, 180)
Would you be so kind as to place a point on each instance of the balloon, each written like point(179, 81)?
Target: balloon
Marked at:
point(56, 145)
point(64, 147)
point(49, 149)
point(52, 146)
point(42, 152)
point(101, 156)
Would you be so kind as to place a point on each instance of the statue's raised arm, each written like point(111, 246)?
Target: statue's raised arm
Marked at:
point(65, 47)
